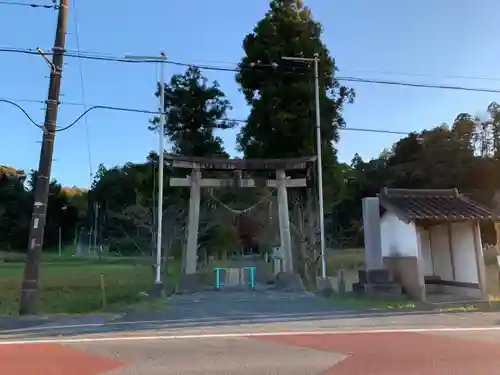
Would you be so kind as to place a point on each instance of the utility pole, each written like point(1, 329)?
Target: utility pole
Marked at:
point(161, 134)
point(29, 288)
point(315, 61)
point(96, 221)
point(161, 159)
point(59, 241)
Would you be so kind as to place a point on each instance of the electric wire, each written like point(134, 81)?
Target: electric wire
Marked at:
point(281, 68)
point(276, 67)
point(16, 3)
point(136, 110)
point(23, 111)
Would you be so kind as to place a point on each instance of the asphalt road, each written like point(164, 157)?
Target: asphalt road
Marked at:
point(266, 333)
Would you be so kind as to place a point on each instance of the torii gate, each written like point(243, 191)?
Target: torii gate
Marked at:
point(196, 182)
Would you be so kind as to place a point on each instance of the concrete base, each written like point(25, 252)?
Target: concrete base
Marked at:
point(324, 286)
point(157, 291)
point(191, 284)
point(386, 290)
point(378, 276)
point(405, 272)
point(377, 282)
point(289, 282)
point(453, 292)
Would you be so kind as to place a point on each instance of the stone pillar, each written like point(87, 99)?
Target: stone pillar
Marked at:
point(194, 222)
point(497, 232)
point(373, 240)
point(284, 221)
point(478, 247)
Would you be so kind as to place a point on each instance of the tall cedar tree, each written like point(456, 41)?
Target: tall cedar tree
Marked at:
point(282, 117)
point(195, 108)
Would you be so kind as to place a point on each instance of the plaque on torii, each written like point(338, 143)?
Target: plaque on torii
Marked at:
point(195, 182)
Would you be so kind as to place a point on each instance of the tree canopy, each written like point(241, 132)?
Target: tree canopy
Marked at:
point(195, 108)
point(462, 155)
point(281, 97)
point(64, 211)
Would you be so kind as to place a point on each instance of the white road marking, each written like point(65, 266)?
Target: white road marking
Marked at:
point(228, 318)
point(243, 334)
point(260, 318)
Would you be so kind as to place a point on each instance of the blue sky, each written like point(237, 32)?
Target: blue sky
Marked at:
point(370, 39)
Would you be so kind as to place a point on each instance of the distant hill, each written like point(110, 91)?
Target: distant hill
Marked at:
point(73, 190)
point(6, 170)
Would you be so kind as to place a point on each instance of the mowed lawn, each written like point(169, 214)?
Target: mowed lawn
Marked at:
point(75, 286)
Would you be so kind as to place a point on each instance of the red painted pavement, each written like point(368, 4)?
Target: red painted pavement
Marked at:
point(402, 353)
point(51, 359)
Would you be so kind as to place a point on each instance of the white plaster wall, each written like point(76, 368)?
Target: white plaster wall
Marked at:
point(425, 249)
point(464, 255)
point(441, 251)
point(398, 237)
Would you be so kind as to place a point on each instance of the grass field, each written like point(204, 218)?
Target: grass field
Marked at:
point(71, 285)
point(77, 286)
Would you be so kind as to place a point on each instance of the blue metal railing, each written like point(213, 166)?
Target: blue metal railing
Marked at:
point(218, 282)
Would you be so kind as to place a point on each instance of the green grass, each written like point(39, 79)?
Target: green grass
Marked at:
point(70, 285)
point(353, 259)
point(349, 259)
point(350, 300)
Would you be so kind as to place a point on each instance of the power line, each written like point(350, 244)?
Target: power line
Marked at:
point(416, 74)
point(82, 86)
point(135, 110)
point(79, 117)
point(363, 71)
point(15, 3)
point(23, 111)
point(418, 85)
point(233, 68)
point(257, 66)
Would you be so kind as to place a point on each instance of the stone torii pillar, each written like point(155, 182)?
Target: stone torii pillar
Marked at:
point(284, 221)
point(193, 222)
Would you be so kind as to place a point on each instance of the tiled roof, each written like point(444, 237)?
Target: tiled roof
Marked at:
point(433, 204)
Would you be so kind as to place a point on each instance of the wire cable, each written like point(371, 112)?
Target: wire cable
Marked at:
point(82, 85)
point(135, 110)
point(235, 65)
point(367, 71)
point(428, 75)
point(15, 3)
point(255, 67)
point(22, 110)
